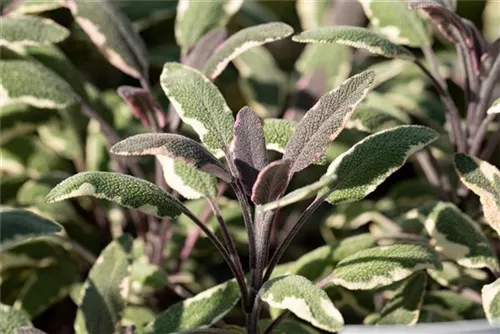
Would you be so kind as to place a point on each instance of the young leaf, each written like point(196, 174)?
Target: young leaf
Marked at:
point(277, 133)
point(355, 37)
point(459, 238)
point(404, 307)
point(491, 301)
point(199, 104)
point(495, 107)
point(123, 189)
point(20, 225)
point(200, 311)
point(20, 30)
point(205, 47)
point(102, 303)
point(12, 319)
point(301, 297)
point(381, 266)
point(484, 180)
point(324, 121)
point(271, 182)
point(111, 31)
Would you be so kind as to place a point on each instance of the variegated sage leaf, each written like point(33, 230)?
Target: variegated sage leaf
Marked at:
point(174, 146)
point(36, 6)
point(484, 180)
point(459, 238)
point(368, 119)
point(404, 307)
point(123, 189)
point(243, 40)
point(205, 47)
point(450, 5)
point(20, 225)
point(312, 13)
point(301, 297)
point(325, 120)
point(381, 266)
point(113, 34)
point(277, 133)
point(200, 311)
point(451, 305)
point(495, 107)
point(271, 182)
point(355, 37)
point(102, 303)
point(491, 301)
point(20, 30)
point(12, 319)
point(199, 104)
point(196, 18)
point(396, 21)
point(453, 276)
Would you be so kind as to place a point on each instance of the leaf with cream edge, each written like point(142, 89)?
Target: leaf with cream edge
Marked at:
point(325, 120)
point(381, 266)
point(195, 18)
point(102, 304)
point(490, 294)
point(484, 180)
point(277, 133)
point(243, 40)
point(301, 297)
point(199, 104)
point(36, 6)
point(113, 34)
point(20, 30)
point(459, 238)
point(355, 37)
point(369, 119)
point(271, 182)
point(404, 307)
point(495, 107)
point(123, 189)
point(12, 319)
point(396, 21)
point(200, 311)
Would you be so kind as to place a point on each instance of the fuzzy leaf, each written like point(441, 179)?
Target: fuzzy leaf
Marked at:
point(355, 37)
point(324, 121)
point(491, 301)
point(102, 303)
point(28, 330)
point(205, 47)
point(368, 119)
point(459, 238)
point(271, 182)
point(277, 133)
point(123, 189)
point(301, 297)
point(20, 225)
point(404, 307)
point(199, 104)
point(200, 311)
point(12, 319)
point(495, 107)
point(113, 34)
point(243, 40)
point(196, 18)
point(30, 30)
point(484, 180)
point(381, 266)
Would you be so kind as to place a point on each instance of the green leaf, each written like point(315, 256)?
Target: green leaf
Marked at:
point(102, 303)
point(96, 152)
point(243, 40)
point(123, 189)
point(491, 20)
point(37, 6)
point(12, 319)
point(369, 119)
point(355, 37)
point(19, 30)
point(20, 225)
point(195, 18)
point(459, 238)
point(271, 182)
point(484, 180)
point(325, 120)
point(495, 107)
point(277, 133)
point(301, 297)
point(452, 305)
point(396, 21)
point(452, 275)
point(113, 34)
point(491, 301)
point(381, 266)
point(200, 311)
point(199, 104)
point(29, 330)
point(146, 277)
point(312, 13)
point(404, 307)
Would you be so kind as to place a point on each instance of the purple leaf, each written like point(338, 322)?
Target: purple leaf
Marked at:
point(205, 47)
point(143, 105)
point(271, 182)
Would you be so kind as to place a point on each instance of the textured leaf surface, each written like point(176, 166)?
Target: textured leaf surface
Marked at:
point(495, 107)
point(243, 40)
point(459, 238)
point(301, 297)
point(271, 182)
point(12, 319)
point(355, 37)
point(102, 303)
point(200, 311)
point(30, 30)
point(404, 307)
point(199, 104)
point(484, 180)
point(325, 120)
point(123, 189)
point(368, 119)
point(277, 133)
point(491, 301)
point(381, 266)
point(20, 225)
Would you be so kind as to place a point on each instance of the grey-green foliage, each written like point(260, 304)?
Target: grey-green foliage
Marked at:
point(12, 319)
point(19, 30)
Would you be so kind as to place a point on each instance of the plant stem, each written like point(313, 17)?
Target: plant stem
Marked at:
point(480, 134)
point(490, 146)
point(253, 323)
point(269, 329)
point(431, 173)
